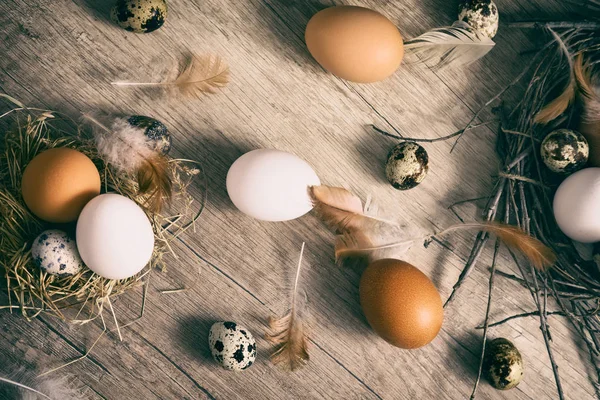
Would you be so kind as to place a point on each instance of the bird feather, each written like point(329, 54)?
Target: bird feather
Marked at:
point(537, 253)
point(200, 74)
point(129, 150)
point(452, 45)
point(288, 333)
point(357, 227)
point(559, 105)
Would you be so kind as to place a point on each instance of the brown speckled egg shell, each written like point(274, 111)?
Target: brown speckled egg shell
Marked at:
point(481, 15)
point(407, 165)
point(503, 364)
point(564, 151)
point(139, 16)
point(401, 303)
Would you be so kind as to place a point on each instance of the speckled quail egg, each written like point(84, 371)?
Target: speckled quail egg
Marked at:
point(153, 129)
point(139, 16)
point(232, 346)
point(56, 253)
point(407, 165)
point(481, 15)
point(564, 151)
point(503, 364)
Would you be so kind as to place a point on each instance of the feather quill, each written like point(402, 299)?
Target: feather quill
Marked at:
point(559, 105)
point(129, 150)
point(288, 333)
point(452, 45)
point(201, 74)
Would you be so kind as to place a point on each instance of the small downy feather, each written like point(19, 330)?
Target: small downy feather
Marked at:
point(201, 74)
point(452, 45)
point(24, 385)
point(129, 150)
point(288, 333)
point(559, 105)
point(357, 228)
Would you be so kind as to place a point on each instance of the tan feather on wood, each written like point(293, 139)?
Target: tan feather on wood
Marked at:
point(356, 227)
point(201, 74)
point(341, 210)
point(288, 333)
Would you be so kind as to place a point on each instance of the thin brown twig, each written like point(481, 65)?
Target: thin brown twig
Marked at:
point(486, 321)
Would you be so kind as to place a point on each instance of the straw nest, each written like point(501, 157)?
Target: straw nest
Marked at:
point(82, 297)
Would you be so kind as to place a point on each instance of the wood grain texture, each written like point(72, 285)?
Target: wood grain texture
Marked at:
point(64, 54)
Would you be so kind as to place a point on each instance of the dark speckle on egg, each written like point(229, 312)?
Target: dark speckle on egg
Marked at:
point(139, 16)
point(230, 325)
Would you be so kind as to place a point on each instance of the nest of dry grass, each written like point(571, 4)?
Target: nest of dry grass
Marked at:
point(83, 297)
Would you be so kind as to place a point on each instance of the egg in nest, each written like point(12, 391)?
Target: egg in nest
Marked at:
point(232, 345)
point(56, 253)
point(154, 130)
point(481, 15)
point(139, 16)
point(564, 151)
point(407, 165)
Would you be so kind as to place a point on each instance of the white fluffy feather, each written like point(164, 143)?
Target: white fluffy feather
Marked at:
point(124, 146)
point(457, 44)
point(25, 385)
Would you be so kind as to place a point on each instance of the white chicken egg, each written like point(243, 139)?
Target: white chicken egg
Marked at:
point(114, 236)
point(577, 206)
point(271, 185)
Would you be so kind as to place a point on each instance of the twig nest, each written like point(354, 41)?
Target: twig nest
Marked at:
point(481, 15)
point(154, 130)
point(232, 345)
point(56, 253)
point(564, 151)
point(139, 16)
point(407, 165)
point(503, 364)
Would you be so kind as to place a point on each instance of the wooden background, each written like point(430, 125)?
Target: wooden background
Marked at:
point(63, 54)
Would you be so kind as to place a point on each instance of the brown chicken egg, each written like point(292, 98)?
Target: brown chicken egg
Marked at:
point(401, 303)
point(355, 43)
point(58, 183)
